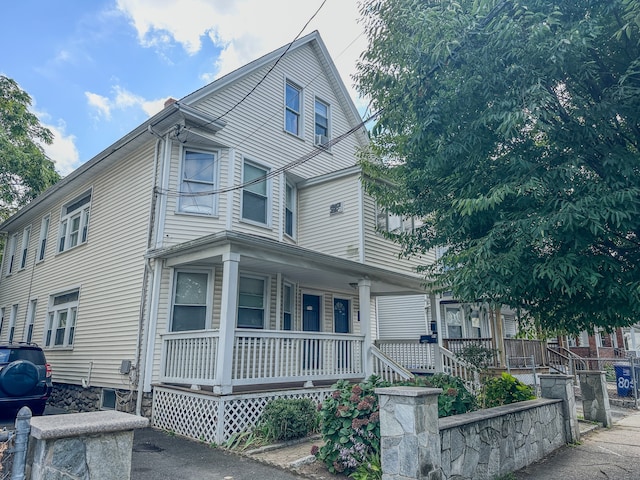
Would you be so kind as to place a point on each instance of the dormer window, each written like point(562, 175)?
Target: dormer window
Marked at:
point(74, 222)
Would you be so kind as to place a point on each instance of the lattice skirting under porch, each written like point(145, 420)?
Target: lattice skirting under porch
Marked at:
point(212, 418)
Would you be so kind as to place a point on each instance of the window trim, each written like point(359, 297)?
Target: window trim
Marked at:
point(315, 123)
point(268, 193)
point(45, 225)
point(52, 325)
point(380, 211)
point(214, 184)
point(300, 114)
point(13, 317)
point(265, 300)
point(27, 335)
point(209, 296)
point(293, 210)
point(24, 247)
point(11, 254)
point(83, 211)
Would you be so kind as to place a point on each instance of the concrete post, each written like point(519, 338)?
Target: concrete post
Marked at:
point(94, 445)
point(595, 398)
point(561, 386)
point(410, 436)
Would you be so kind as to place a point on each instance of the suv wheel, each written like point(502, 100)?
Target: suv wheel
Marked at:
point(18, 378)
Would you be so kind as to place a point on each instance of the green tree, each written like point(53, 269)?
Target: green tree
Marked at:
point(25, 170)
point(512, 128)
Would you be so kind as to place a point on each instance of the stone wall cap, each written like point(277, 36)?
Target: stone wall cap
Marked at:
point(74, 424)
point(408, 391)
point(561, 376)
point(487, 413)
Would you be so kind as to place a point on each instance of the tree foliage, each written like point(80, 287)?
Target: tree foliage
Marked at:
point(25, 171)
point(512, 128)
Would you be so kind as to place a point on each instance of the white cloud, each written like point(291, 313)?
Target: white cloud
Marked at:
point(246, 29)
point(63, 150)
point(122, 99)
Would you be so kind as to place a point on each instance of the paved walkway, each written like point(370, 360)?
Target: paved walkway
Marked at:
point(605, 453)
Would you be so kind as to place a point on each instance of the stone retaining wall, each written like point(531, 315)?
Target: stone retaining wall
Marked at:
point(492, 442)
point(74, 398)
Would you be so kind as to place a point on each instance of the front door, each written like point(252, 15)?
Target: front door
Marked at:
point(311, 323)
point(342, 324)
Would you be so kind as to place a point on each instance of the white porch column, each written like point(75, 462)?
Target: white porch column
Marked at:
point(228, 315)
point(364, 293)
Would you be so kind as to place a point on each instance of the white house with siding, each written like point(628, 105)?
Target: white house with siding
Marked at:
point(221, 253)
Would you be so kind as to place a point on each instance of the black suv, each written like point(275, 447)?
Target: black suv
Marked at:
point(25, 377)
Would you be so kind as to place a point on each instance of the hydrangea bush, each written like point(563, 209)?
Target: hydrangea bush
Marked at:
point(350, 426)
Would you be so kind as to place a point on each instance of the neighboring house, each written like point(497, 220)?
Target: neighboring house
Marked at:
point(223, 248)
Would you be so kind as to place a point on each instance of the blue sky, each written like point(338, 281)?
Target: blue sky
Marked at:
point(96, 69)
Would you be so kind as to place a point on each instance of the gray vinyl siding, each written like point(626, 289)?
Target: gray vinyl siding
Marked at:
point(382, 252)
point(334, 234)
point(401, 317)
point(255, 132)
point(108, 269)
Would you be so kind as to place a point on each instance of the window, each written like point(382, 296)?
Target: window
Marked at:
point(289, 209)
point(392, 223)
point(11, 252)
point(31, 316)
point(1, 320)
point(198, 178)
point(251, 298)
point(287, 306)
point(292, 110)
point(26, 236)
point(61, 319)
point(12, 322)
point(190, 301)
point(42, 243)
point(453, 319)
point(322, 122)
point(74, 223)
point(255, 198)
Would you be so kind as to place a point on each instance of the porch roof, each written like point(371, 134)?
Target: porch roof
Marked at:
point(260, 254)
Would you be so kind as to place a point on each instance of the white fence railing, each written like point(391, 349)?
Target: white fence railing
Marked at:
point(260, 357)
point(189, 357)
point(411, 354)
point(451, 365)
point(387, 369)
point(278, 356)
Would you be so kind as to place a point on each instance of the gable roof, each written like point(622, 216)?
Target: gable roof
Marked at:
point(183, 110)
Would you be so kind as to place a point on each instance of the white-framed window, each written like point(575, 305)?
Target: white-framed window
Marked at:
point(293, 108)
point(74, 222)
point(198, 181)
point(60, 326)
point(24, 251)
point(453, 320)
point(321, 116)
point(392, 223)
point(287, 306)
point(191, 300)
point(255, 196)
point(11, 253)
point(12, 322)
point(42, 242)
point(31, 319)
point(251, 301)
point(290, 210)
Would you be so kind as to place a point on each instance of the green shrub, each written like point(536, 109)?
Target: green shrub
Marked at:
point(504, 390)
point(454, 399)
point(370, 470)
point(286, 418)
point(350, 425)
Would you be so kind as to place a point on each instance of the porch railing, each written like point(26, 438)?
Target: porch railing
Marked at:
point(189, 357)
point(388, 369)
point(270, 356)
point(411, 354)
point(519, 347)
point(457, 345)
point(452, 365)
